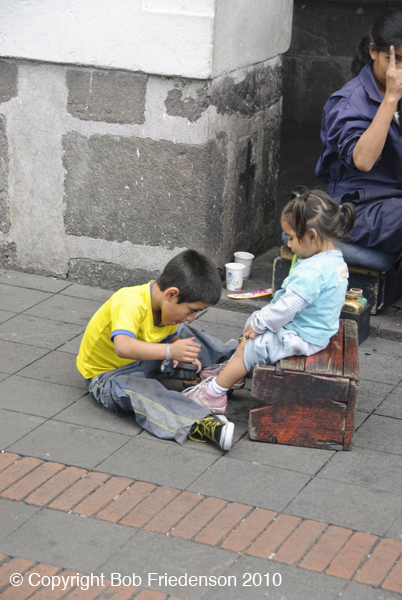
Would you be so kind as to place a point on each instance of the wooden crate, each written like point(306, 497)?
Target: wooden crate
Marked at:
point(311, 401)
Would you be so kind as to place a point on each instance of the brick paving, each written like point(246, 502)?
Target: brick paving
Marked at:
point(340, 552)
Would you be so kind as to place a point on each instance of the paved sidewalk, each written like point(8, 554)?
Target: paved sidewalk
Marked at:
point(84, 493)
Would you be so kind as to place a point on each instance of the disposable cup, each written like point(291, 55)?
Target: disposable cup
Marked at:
point(234, 276)
point(246, 258)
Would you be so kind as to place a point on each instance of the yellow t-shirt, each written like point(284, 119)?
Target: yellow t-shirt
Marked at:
point(128, 311)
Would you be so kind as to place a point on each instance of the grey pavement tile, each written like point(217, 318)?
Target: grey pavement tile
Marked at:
point(371, 394)
point(240, 403)
point(161, 463)
point(86, 411)
point(392, 405)
point(34, 397)
point(16, 299)
point(391, 329)
point(377, 345)
point(357, 591)
point(360, 417)
point(35, 282)
point(5, 315)
point(376, 321)
point(4, 376)
point(66, 540)
point(70, 444)
point(15, 426)
point(35, 331)
point(223, 317)
point(395, 531)
point(73, 346)
point(398, 302)
point(294, 583)
point(347, 505)
point(66, 309)
point(304, 460)
point(150, 555)
point(13, 515)
point(56, 367)
point(380, 433)
point(367, 468)
point(383, 368)
point(14, 357)
point(87, 292)
point(222, 332)
point(250, 483)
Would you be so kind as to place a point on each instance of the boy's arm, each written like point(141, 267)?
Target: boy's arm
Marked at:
point(182, 350)
point(273, 317)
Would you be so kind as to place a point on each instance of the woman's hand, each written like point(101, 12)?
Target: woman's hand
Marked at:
point(371, 143)
point(393, 79)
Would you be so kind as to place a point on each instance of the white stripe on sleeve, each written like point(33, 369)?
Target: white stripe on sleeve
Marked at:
point(277, 315)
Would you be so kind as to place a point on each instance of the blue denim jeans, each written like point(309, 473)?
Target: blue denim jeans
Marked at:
point(166, 414)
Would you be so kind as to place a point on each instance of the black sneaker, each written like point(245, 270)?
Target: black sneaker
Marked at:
point(217, 429)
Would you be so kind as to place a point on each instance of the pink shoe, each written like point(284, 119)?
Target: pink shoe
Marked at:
point(215, 403)
point(214, 370)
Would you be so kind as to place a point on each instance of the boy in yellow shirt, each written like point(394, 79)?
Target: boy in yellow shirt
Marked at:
point(136, 330)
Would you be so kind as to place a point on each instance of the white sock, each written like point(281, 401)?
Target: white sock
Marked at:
point(214, 388)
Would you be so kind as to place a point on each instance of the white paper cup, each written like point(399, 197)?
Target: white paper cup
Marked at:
point(234, 276)
point(246, 258)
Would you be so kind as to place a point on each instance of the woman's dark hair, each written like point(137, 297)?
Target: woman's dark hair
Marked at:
point(386, 32)
point(316, 210)
point(195, 276)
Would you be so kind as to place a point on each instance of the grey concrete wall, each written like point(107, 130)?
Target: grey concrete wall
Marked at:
point(325, 36)
point(105, 175)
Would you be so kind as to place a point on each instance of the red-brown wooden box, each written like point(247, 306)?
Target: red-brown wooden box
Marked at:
point(311, 401)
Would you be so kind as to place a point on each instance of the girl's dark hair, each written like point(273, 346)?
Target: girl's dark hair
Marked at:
point(316, 210)
point(386, 32)
point(195, 276)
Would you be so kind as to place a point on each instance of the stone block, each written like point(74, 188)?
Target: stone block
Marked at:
point(328, 28)
point(8, 80)
point(154, 193)
point(307, 84)
point(4, 199)
point(110, 96)
point(8, 255)
point(260, 88)
point(107, 275)
point(188, 99)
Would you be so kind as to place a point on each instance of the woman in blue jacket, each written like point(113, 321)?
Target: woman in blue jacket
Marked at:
point(361, 161)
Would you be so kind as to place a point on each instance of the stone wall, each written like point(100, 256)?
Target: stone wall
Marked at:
point(107, 174)
point(325, 35)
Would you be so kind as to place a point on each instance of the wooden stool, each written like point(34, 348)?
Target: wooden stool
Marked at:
point(311, 401)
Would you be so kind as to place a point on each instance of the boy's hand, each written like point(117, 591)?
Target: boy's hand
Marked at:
point(249, 333)
point(185, 350)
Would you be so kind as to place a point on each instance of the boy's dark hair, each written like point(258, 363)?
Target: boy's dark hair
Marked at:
point(196, 277)
point(316, 210)
point(386, 32)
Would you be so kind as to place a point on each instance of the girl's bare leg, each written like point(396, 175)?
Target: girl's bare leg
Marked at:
point(234, 370)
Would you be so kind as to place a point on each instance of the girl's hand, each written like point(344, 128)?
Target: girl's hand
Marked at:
point(393, 78)
point(249, 333)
